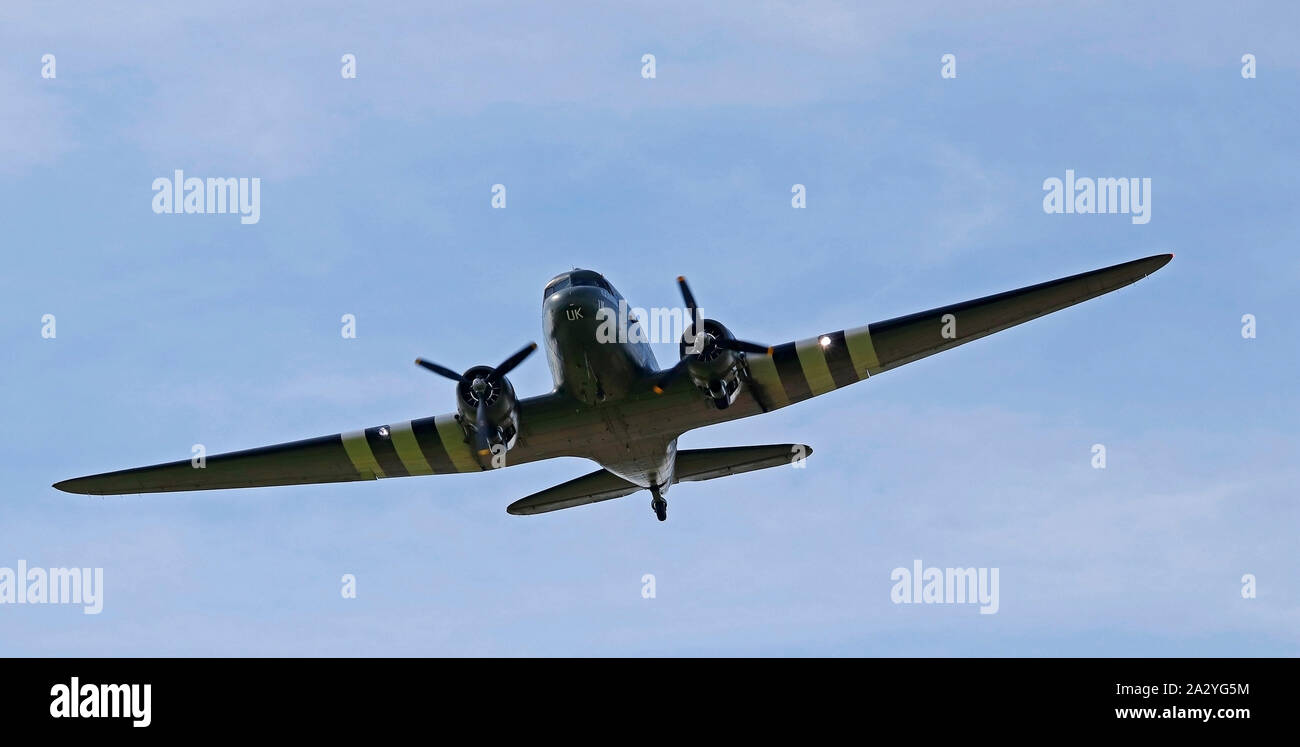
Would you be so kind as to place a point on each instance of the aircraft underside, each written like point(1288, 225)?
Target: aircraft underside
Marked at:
point(612, 403)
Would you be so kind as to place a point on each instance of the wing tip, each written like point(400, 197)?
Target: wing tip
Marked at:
point(74, 486)
point(520, 508)
point(1154, 262)
point(1136, 269)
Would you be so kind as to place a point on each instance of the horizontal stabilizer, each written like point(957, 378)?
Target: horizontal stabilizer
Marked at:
point(706, 464)
point(692, 464)
point(600, 485)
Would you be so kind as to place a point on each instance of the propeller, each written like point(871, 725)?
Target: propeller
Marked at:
point(687, 296)
point(739, 346)
point(440, 370)
point(481, 385)
point(508, 365)
point(742, 346)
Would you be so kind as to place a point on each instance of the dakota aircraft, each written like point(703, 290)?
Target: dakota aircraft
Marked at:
point(612, 403)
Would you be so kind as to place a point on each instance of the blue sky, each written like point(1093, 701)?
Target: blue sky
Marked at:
point(175, 330)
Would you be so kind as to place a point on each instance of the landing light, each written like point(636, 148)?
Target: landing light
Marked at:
point(825, 341)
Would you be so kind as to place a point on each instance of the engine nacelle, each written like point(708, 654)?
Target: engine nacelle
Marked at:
point(502, 406)
point(713, 370)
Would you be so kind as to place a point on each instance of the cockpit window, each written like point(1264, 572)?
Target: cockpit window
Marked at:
point(577, 279)
point(555, 286)
point(590, 278)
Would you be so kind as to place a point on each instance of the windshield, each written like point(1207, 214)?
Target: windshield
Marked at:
point(575, 279)
point(590, 279)
point(555, 286)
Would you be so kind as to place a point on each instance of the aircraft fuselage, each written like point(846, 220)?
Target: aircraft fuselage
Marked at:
point(599, 373)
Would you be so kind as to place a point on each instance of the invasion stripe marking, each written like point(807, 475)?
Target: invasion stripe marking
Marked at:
point(862, 351)
point(813, 363)
point(791, 373)
point(408, 449)
point(385, 453)
point(426, 433)
point(453, 440)
point(763, 368)
point(362, 458)
point(839, 361)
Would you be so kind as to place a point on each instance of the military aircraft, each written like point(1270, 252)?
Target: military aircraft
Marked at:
point(613, 404)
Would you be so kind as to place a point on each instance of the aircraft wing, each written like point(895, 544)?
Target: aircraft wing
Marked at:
point(806, 368)
point(426, 446)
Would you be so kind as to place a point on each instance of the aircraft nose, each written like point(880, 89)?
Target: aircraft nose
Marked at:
point(577, 304)
point(573, 311)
